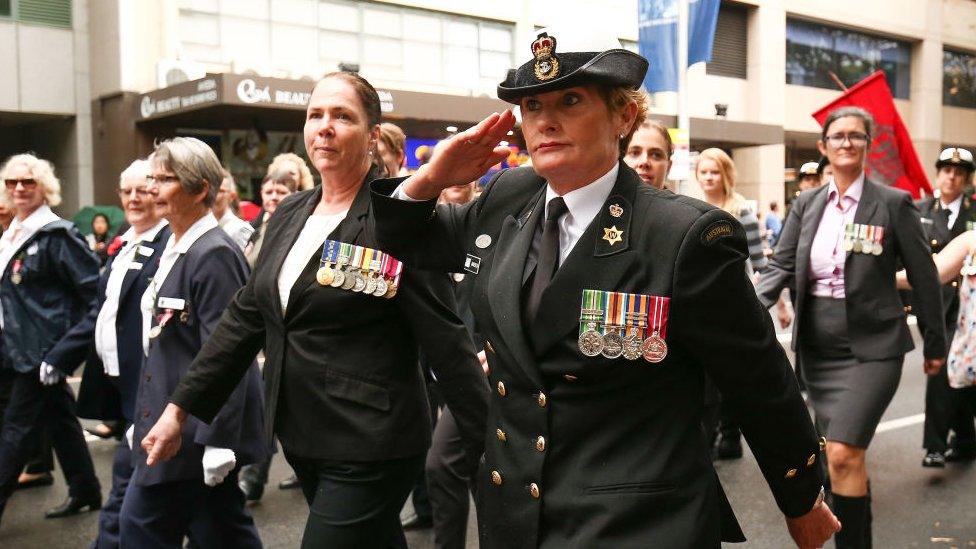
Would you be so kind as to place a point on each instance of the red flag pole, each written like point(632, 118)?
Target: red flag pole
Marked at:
point(837, 81)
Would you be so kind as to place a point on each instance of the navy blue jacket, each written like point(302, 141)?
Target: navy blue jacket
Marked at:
point(97, 397)
point(206, 278)
point(58, 285)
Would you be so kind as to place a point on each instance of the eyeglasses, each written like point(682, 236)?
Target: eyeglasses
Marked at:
point(856, 139)
point(27, 184)
point(141, 192)
point(161, 179)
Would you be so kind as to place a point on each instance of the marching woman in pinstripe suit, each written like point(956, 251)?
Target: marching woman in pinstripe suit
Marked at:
point(839, 250)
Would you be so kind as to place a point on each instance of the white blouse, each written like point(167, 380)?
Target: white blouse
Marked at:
point(310, 241)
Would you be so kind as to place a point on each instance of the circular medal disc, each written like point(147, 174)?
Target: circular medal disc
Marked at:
point(613, 345)
point(381, 287)
point(590, 343)
point(370, 286)
point(350, 280)
point(866, 247)
point(654, 349)
point(877, 249)
point(391, 291)
point(358, 282)
point(324, 276)
point(155, 331)
point(848, 245)
point(632, 347)
point(338, 278)
point(857, 247)
point(16, 278)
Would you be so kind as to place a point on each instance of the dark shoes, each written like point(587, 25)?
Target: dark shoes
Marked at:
point(289, 483)
point(42, 479)
point(74, 505)
point(958, 454)
point(416, 522)
point(106, 430)
point(252, 490)
point(934, 459)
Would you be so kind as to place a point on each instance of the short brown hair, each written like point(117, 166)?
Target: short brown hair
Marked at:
point(618, 97)
point(393, 137)
point(651, 124)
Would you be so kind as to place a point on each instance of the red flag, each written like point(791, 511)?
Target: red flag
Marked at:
point(892, 159)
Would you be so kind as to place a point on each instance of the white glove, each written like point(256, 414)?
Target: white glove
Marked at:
point(128, 434)
point(49, 375)
point(217, 462)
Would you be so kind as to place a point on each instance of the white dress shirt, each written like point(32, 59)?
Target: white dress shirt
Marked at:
point(238, 229)
point(20, 232)
point(132, 256)
point(316, 230)
point(167, 259)
point(953, 208)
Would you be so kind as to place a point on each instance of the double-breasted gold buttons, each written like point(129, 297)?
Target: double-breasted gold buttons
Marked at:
point(540, 444)
point(501, 388)
point(823, 444)
point(501, 435)
point(570, 377)
point(542, 400)
point(488, 347)
point(534, 490)
point(811, 460)
point(496, 478)
point(791, 473)
point(934, 242)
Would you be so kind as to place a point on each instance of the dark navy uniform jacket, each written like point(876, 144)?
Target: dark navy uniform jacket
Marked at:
point(97, 397)
point(598, 452)
point(206, 278)
point(938, 234)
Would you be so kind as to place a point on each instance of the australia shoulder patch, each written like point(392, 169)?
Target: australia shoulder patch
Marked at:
point(716, 231)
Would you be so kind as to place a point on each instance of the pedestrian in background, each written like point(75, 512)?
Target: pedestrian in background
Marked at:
point(224, 210)
point(391, 148)
point(277, 186)
point(296, 167)
point(99, 238)
point(839, 249)
point(773, 224)
point(649, 153)
point(49, 281)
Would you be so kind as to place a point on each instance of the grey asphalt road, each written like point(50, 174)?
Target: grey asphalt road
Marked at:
point(913, 507)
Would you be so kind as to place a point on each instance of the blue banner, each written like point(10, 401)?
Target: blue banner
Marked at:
point(657, 23)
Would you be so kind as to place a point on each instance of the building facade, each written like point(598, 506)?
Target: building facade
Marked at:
point(236, 73)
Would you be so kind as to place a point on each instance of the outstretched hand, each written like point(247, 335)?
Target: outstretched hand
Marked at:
point(462, 158)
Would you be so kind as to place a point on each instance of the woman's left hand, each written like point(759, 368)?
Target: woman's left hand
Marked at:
point(932, 366)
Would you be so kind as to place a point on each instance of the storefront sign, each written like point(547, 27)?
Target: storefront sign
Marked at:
point(178, 98)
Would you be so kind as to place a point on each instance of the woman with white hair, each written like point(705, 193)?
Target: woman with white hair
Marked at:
point(48, 279)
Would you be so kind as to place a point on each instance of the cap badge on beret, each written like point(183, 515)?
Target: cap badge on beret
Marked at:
point(955, 155)
point(546, 62)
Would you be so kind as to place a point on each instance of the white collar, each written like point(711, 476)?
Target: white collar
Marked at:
point(228, 217)
point(954, 205)
point(131, 236)
point(585, 202)
point(192, 234)
point(33, 223)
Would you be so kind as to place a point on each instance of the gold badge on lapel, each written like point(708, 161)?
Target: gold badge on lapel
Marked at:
point(612, 235)
point(546, 63)
point(616, 210)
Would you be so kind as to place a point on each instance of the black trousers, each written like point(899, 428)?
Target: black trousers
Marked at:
point(161, 515)
point(947, 408)
point(354, 505)
point(448, 484)
point(42, 456)
point(108, 518)
point(34, 407)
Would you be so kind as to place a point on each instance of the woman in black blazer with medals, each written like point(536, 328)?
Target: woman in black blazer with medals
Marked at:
point(345, 394)
point(602, 301)
point(839, 250)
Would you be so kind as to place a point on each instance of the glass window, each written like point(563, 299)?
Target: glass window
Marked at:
point(813, 51)
point(421, 28)
point(461, 33)
point(382, 22)
point(958, 79)
point(199, 28)
point(298, 12)
point(495, 38)
point(209, 6)
point(339, 46)
point(5, 8)
point(292, 45)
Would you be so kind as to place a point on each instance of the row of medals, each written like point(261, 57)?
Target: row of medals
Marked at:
point(862, 246)
point(355, 280)
point(616, 342)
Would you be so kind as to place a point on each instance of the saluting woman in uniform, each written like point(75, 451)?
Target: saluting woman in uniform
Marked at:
point(839, 250)
point(343, 386)
point(595, 422)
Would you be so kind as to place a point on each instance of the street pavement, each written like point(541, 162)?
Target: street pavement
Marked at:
point(913, 507)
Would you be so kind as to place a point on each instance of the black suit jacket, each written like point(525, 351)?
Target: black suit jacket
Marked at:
point(341, 371)
point(206, 278)
point(622, 460)
point(875, 314)
point(938, 234)
point(98, 397)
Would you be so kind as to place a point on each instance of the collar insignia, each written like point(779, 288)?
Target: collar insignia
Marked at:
point(612, 235)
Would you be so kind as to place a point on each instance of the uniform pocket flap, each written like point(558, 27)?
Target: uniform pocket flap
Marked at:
point(357, 390)
point(631, 488)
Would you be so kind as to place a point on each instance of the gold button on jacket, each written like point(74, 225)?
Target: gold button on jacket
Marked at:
point(542, 400)
point(501, 435)
point(534, 490)
point(540, 444)
point(496, 478)
point(501, 388)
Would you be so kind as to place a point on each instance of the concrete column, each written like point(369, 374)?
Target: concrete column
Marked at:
point(925, 121)
point(759, 174)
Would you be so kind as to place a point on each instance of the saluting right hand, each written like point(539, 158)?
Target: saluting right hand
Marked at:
point(462, 158)
point(164, 439)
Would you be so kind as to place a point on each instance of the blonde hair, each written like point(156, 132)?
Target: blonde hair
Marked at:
point(395, 140)
point(733, 202)
point(617, 98)
point(41, 170)
point(305, 181)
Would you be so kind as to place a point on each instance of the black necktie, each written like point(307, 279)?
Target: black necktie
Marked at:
point(946, 213)
point(548, 259)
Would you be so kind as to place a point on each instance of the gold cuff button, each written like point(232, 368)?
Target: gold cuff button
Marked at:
point(501, 435)
point(534, 490)
point(934, 242)
point(488, 347)
point(791, 473)
point(955, 283)
point(540, 444)
point(496, 478)
point(501, 388)
point(823, 444)
point(542, 400)
point(811, 460)
point(570, 377)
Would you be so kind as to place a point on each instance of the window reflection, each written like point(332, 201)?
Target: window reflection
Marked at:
point(958, 79)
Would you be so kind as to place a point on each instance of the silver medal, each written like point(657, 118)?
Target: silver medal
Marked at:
point(590, 341)
point(613, 345)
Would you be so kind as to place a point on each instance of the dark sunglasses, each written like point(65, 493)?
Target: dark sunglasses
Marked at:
point(26, 183)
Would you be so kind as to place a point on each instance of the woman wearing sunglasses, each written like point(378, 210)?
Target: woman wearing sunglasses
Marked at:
point(48, 280)
point(839, 250)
